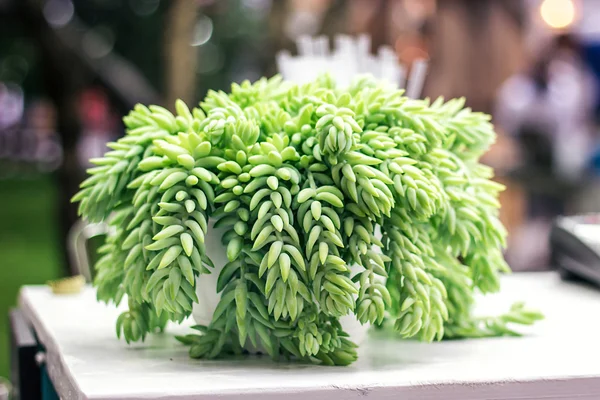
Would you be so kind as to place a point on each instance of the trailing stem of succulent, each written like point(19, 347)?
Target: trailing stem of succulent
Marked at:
point(355, 201)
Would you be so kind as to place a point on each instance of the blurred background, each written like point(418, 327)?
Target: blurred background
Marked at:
point(69, 69)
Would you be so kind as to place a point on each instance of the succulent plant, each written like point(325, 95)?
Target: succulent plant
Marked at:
point(335, 201)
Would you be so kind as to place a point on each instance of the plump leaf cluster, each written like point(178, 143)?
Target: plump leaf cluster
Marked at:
point(334, 202)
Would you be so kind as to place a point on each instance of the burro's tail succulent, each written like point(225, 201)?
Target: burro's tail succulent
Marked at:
point(335, 201)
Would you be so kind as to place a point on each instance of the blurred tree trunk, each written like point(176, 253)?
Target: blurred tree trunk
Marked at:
point(180, 57)
point(63, 76)
point(476, 45)
point(379, 25)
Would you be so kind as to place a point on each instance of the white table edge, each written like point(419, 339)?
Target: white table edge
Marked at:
point(554, 388)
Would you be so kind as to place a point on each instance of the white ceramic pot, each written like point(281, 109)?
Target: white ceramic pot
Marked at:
point(208, 298)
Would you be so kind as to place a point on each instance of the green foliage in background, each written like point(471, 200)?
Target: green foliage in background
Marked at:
point(335, 201)
point(28, 244)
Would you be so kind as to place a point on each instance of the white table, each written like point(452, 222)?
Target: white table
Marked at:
point(559, 358)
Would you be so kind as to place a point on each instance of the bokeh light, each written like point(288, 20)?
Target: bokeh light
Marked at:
point(59, 12)
point(262, 6)
point(210, 59)
point(202, 31)
point(144, 8)
point(98, 42)
point(558, 14)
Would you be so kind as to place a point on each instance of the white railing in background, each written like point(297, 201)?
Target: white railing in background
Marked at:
point(350, 57)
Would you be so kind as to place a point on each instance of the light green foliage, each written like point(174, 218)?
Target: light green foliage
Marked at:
point(335, 202)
